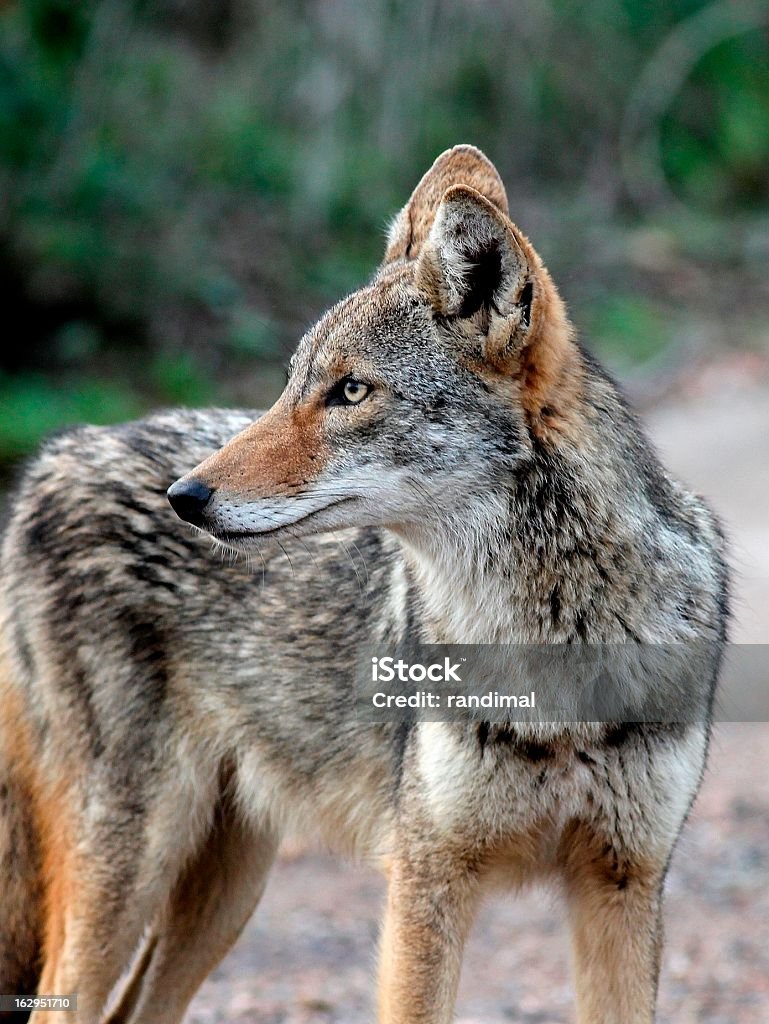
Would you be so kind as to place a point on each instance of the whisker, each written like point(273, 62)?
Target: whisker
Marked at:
point(288, 557)
point(309, 550)
point(346, 550)
point(363, 560)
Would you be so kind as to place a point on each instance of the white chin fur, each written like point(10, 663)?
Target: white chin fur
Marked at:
point(265, 517)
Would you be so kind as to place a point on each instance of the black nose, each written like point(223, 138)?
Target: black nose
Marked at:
point(188, 499)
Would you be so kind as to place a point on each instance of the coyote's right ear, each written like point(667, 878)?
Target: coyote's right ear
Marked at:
point(462, 165)
point(476, 262)
point(479, 271)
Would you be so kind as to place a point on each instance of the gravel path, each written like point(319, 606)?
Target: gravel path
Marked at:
point(307, 956)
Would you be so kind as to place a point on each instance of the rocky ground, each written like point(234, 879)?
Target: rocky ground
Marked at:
point(307, 956)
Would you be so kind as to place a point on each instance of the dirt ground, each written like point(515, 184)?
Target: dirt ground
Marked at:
point(307, 957)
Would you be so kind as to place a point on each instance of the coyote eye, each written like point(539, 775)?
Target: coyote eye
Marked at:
point(348, 392)
point(354, 391)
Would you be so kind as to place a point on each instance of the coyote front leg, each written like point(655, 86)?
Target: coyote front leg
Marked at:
point(208, 907)
point(431, 904)
point(615, 916)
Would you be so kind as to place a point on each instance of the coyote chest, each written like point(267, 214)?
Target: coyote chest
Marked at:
point(511, 781)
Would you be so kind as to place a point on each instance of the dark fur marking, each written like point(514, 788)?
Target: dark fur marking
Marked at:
point(483, 735)
point(413, 630)
point(149, 648)
point(580, 626)
point(555, 605)
point(524, 303)
point(400, 744)
point(483, 279)
point(617, 735)
point(144, 572)
point(535, 751)
point(41, 530)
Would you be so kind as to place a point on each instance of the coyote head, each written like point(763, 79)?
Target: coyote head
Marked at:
point(416, 399)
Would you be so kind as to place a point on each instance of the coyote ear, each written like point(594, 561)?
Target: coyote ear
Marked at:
point(479, 271)
point(462, 165)
point(475, 261)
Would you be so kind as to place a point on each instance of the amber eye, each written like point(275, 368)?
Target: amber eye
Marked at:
point(348, 392)
point(355, 391)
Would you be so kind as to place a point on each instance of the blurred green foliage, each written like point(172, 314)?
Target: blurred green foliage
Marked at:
point(716, 132)
point(186, 183)
point(33, 404)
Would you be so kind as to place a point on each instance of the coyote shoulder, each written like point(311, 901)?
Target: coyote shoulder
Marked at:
point(446, 463)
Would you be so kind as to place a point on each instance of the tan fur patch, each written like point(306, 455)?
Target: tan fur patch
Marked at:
point(19, 744)
point(53, 809)
point(614, 908)
point(425, 928)
point(519, 859)
point(279, 454)
point(22, 901)
point(587, 856)
point(549, 368)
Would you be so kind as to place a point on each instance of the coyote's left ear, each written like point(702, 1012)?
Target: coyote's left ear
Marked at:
point(461, 165)
point(477, 266)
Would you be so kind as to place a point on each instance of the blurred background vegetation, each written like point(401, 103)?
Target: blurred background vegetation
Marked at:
point(186, 184)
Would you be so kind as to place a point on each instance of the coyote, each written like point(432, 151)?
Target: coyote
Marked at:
point(167, 714)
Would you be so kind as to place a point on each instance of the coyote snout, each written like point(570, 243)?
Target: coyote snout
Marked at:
point(273, 476)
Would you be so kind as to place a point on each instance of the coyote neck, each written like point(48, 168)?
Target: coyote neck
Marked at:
point(458, 609)
point(475, 584)
point(532, 565)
